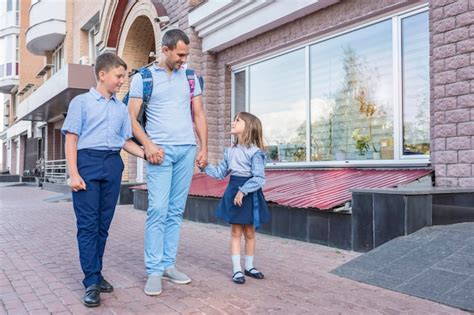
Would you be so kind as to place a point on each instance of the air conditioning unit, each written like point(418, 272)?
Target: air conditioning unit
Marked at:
point(84, 60)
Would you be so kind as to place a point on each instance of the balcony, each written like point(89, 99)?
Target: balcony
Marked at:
point(9, 24)
point(52, 98)
point(9, 79)
point(47, 26)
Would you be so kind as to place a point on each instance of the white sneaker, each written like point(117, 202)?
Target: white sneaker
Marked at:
point(153, 285)
point(176, 276)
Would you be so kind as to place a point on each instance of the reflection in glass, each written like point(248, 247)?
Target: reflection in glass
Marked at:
point(351, 95)
point(416, 86)
point(277, 97)
point(239, 88)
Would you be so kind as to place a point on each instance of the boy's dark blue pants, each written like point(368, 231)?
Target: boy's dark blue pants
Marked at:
point(95, 206)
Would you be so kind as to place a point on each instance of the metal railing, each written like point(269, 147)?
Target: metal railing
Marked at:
point(55, 171)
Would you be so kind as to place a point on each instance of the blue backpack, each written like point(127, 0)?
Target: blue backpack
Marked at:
point(148, 89)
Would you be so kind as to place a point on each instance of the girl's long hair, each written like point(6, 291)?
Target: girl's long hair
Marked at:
point(253, 131)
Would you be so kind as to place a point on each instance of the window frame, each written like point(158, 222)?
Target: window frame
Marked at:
point(399, 159)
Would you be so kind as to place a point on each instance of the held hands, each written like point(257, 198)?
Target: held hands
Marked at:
point(154, 154)
point(238, 199)
point(77, 183)
point(201, 159)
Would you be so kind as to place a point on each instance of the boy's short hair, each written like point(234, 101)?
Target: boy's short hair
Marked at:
point(107, 61)
point(172, 37)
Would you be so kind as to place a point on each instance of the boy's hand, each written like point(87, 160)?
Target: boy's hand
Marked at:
point(77, 183)
point(238, 199)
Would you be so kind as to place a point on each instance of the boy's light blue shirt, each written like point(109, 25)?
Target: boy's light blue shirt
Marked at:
point(168, 114)
point(100, 124)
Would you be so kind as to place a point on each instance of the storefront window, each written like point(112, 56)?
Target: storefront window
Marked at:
point(345, 89)
point(416, 84)
point(351, 95)
point(277, 97)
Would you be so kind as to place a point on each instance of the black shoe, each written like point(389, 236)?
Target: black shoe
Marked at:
point(92, 297)
point(239, 279)
point(256, 275)
point(105, 286)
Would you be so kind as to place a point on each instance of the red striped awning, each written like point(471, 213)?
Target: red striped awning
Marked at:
point(321, 189)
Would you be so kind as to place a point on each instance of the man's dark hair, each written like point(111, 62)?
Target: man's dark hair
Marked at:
point(172, 37)
point(107, 61)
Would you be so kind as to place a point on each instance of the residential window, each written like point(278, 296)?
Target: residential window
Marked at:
point(360, 95)
point(58, 59)
point(2, 57)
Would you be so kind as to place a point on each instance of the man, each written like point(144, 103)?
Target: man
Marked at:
point(170, 149)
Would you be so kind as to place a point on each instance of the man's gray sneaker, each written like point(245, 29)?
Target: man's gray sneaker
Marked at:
point(176, 276)
point(153, 285)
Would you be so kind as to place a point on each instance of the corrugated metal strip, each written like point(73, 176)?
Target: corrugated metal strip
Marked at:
point(321, 189)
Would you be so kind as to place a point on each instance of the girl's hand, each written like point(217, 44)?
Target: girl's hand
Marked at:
point(238, 199)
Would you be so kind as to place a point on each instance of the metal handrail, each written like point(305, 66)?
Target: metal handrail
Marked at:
point(55, 171)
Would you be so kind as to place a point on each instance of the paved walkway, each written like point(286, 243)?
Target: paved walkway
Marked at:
point(435, 263)
point(40, 273)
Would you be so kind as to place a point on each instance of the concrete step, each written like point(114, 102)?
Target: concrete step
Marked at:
point(448, 214)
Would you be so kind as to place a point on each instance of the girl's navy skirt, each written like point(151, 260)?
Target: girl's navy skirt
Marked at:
point(254, 209)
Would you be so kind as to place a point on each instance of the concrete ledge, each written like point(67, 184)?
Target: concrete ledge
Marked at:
point(380, 215)
point(309, 225)
point(9, 178)
point(415, 191)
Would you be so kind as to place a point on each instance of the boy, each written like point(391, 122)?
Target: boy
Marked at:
point(97, 126)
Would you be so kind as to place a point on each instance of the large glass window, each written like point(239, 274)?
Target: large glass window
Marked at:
point(277, 97)
point(416, 84)
point(345, 90)
point(351, 95)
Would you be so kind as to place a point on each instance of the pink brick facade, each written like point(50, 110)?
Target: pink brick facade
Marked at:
point(451, 72)
point(452, 91)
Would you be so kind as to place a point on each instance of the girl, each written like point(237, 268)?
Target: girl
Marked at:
point(243, 204)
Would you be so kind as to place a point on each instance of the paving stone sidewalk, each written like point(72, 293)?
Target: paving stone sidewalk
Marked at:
point(435, 263)
point(40, 272)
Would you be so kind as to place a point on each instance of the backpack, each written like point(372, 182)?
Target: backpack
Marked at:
point(148, 89)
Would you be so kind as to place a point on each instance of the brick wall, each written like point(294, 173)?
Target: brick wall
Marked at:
point(452, 91)
point(310, 27)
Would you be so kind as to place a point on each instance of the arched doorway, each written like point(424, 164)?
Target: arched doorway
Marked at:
point(137, 41)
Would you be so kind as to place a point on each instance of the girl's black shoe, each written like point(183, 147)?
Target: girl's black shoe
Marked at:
point(256, 274)
point(238, 277)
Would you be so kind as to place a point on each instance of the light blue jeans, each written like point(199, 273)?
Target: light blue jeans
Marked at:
point(168, 186)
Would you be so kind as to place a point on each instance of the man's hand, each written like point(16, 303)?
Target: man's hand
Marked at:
point(154, 154)
point(202, 164)
point(238, 199)
point(77, 183)
point(201, 159)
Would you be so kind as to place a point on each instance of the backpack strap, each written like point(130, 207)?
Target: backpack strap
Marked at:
point(190, 76)
point(147, 83)
point(147, 80)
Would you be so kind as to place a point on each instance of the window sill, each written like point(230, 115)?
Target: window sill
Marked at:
point(353, 163)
